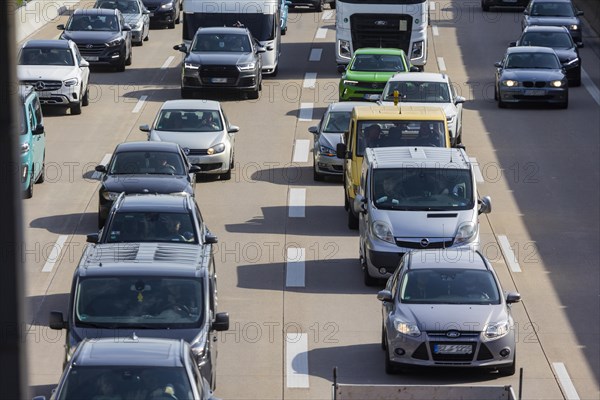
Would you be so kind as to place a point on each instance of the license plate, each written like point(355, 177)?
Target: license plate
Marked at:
point(535, 92)
point(194, 160)
point(91, 58)
point(219, 80)
point(453, 349)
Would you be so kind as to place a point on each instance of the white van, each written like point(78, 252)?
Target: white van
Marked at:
point(261, 17)
point(415, 198)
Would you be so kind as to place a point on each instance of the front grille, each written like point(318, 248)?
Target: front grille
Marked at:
point(91, 49)
point(152, 8)
point(529, 98)
point(198, 152)
point(484, 353)
point(421, 352)
point(44, 86)
point(530, 84)
point(210, 167)
point(371, 85)
point(381, 30)
point(463, 334)
point(248, 81)
point(431, 245)
point(219, 71)
point(339, 168)
point(452, 357)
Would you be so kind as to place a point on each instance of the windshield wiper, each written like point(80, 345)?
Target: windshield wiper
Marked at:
point(96, 325)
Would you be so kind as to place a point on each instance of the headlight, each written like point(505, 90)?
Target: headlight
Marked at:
point(188, 65)
point(465, 233)
point(383, 231)
point(111, 196)
point(326, 151)
point(571, 62)
point(510, 83)
point(497, 330)
point(247, 66)
point(574, 27)
point(344, 49)
point(347, 82)
point(71, 82)
point(116, 42)
point(417, 50)
point(407, 328)
point(216, 149)
point(25, 148)
point(137, 25)
point(167, 5)
point(556, 84)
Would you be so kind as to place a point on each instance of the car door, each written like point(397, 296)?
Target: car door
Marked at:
point(230, 135)
point(459, 108)
point(126, 35)
point(39, 139)
point(85, 71)
point(388, 307)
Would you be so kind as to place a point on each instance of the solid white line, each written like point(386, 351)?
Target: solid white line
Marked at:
point(328, 14)
point(301, 150)
point(306, 112)
point(295, 269)
point(310, 80)
point(54, 253)
point(296, 360)
point(315, 55)
point(509, 255)
point(296, 202)
point(139, 104)
point(441, 63)
point(321, 33)
point(104, 161)
point(432, 6)
point(477, 171)
point(590, 86)
point(565, 381)
point(167, 62)
point(435, 30)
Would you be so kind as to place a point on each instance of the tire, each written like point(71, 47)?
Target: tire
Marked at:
point(121, 67)
point(85, 100)
point(187, 93)
point(147, 36)
point(29, 191)
point(130, 58)
point(317, 176)
point(484, 6)
point(226, 176)
point(275, 71)
point(564, 105)
point(368, 279)
point(511, 369)
point(283, 31)
point(352, 219)
point(390, 367)
point(42, 176)
point(76, 108)
point(495, 93)
point(319, 6)
point(501, 104)
point(171, 25)
point(253, 95)
point(383, 341)
point(332, 5)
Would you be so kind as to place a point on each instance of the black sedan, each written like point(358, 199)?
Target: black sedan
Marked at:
point(558, 38)
point(555, 13)
point(144, 167)
point(531, 74)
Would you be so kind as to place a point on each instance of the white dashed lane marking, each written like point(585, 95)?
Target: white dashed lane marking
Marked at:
point(301, 150)
point(310, 80)
point(55, 253)
point(296, 202)
point(167, 62)
point(306, 112)
point(565, 381)
point(295, 267)
point(296, 360)
point(509, 255)
point(315, 55)
point(140, 104)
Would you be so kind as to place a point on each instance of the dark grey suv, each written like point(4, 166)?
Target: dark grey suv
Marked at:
point(132, 367)
point(222, 58)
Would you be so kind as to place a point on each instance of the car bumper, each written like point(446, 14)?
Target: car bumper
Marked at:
point(243, 81)
point(108, 57)
point(162, 17)
point(329, 165)
point(213, 164)
point(137, 35)
point(524, 95)
point(357, 93)
point(59, 98)
point(506, 3)
point(573, 72)
point(421, 350)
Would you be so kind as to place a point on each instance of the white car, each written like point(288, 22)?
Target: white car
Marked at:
point(202, 128)
point(57, 71)
point(427, 89)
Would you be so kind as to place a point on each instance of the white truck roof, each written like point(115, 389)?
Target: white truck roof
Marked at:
point(422, 157)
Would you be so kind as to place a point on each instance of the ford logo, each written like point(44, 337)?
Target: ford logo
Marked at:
point(380, 23)
point(453, 334)
point(424, 242)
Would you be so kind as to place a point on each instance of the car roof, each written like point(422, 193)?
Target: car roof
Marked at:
point(191, 105)
point(529, 49)
point(377, 112)
point(417, 157)
point(135, 351)
point(154, 202)
point(51, 44)
point(450, 258)
point(378, 50)
point(223, 29)
point(545, 28)
point(419, 77)
point(147, 146)
point(96, 11)
point(347, 105)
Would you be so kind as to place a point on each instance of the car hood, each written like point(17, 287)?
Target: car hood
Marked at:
point(423, 224)
point(330, 140)
point(191, 140)
point(553, 21)
point(368, 76)
point(132, 19)
point(189, 335)
point(449, 108)
point(46, 72)
point(146, 184)
point(440, 317)
point(91, 37)
point(532, 74)
point(152, 3)
point(565, 55)
point(219, 58)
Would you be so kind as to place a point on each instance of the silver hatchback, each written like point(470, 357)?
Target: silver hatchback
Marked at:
point(446, 308)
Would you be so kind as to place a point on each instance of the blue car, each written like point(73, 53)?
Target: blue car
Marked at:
point(32, 138)
point(284, 5)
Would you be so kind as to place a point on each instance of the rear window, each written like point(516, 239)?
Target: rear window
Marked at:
point(399, 133)
point(137, 227)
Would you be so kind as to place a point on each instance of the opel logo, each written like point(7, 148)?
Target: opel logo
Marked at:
point(40, 85)
point(453, 334)
point(424, 242)
point(380, 23)
point(89, 46)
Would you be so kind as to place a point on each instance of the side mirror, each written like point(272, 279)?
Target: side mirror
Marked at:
point(414, 68)
point(92, 238)
point(459, 100)
point(39, 129)
point(485, 205)
point(372, 97)
point(513, 297)
point(221, 322)
point(60, 27)
point(146, 11)
point(233, 129)
point(340, 150)
point(56, 321)
point(260, 49)
point(341, 68)
point(460, 146)
point(269, 47)
point(512, 44)
point(360, 204)
point(579, 12)
point(126, 27)
point(145, 128)
point(181, 47)
point(385, 296)
point(194, 169)
point(314, 130)
point(580, 44)
point(100, 168)
point(498, 64)
point(210, 239)
point(525, 12)
point(84, 64)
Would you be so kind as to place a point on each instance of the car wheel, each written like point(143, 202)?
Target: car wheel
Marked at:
point(576, 81)
point(495, 93)
point(501, 104)
point(42, 176)
point(171, 25)
point(564, 105)
point(383, 341)
point(147, 36)
point(319, 5)
point(121, 66)
point(283, 31)
point(390, 367)
point(352, 219)
point(226, 176)
point(130, 58)
point(253, 95)
point(76, 108)
point(368, 279)
point(332, 5)
point(29, 191)
point(187, 93)
point(275, 71)
point(511, 369)
point(232, 163)
point(484, 6)
point(346, 202)
point(85, 100)
point(317, 176)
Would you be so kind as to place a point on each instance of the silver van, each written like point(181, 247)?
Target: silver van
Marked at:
point(415, 198)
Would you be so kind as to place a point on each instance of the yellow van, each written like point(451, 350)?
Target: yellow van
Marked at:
point(386, 126)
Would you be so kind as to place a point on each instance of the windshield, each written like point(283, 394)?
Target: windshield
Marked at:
point(189, 121)
point(146, 163)
point(556, 40)
point(125, 6)
point(337, 122)
point(93, 23)
point(449, 286)
point(382, 1)
point(124, 382)
point(135, 227)
point(45, 56)
point(559, 9)
point(378, 63)
point(23, 128)
point(532, 60)
point(232, 43)
point(417, 92)
point(262, 26)
point(142, 302)
point(399, 133)
point(423, 189)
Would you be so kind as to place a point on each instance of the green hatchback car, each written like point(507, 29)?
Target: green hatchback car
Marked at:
point(369, 71)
